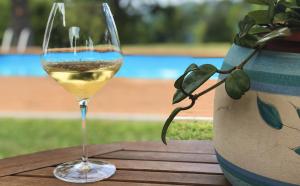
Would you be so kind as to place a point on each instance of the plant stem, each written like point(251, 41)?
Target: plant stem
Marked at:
point(241, 66)
point(209, 89)
point(189, 106)
point(195, 97)
point(83, 109)
point(226, 71)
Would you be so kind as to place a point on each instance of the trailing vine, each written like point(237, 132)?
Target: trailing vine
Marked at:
point(279, 19)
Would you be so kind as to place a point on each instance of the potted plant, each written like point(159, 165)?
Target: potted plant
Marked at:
point(257, 101)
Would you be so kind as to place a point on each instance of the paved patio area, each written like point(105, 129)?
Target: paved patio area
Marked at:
point(125, 98)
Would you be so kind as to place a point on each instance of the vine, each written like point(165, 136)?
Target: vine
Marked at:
point(279, 19)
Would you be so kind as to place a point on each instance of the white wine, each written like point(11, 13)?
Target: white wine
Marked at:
point(82, 79)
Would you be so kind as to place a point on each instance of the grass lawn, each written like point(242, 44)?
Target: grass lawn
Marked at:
point(20, 136)
point(200, 50)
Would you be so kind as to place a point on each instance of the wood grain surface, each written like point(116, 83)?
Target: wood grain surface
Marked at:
point(138, 164)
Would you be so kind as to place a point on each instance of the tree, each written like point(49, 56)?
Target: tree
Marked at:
point(19, 17)
point(218, 29)
point(4, 17)
point(130, 24)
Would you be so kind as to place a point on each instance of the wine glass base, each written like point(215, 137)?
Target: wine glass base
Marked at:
point(84, 172)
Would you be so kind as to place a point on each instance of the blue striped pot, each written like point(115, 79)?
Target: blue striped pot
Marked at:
point(257, 138)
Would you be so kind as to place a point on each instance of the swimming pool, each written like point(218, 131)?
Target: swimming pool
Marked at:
point(135, 66)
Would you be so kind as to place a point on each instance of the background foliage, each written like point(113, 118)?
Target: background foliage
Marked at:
point(211, 21)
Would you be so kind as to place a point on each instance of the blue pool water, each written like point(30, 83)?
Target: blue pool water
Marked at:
point(135, 66)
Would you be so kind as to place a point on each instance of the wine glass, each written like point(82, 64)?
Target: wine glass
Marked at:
point(81, 51)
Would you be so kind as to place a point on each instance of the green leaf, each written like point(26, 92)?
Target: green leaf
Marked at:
point(168, 123)
point(178, 96)
point(194, 80)
point(198, 77)
point(260, 16)
point(295, 9)
point(245, 25)
point(269, 114)
point(293, 22)
point(191, 68)
point(297, 150)
point(288, 4)
point(293, 13)
point(237, 84)
point(282, 32)
point(259, 30)
point(259, 2)
point(249, 41)
point(271, 12)
point(280, 18)
point(281, 7)
point(179, 81)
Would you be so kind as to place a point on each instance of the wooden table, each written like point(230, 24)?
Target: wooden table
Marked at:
point(139, 164)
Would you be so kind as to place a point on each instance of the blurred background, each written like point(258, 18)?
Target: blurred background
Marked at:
point(141, 21)
point(160, 38)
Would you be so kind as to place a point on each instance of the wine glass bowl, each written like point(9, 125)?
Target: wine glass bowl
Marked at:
point(81, 52)
point(82, 73)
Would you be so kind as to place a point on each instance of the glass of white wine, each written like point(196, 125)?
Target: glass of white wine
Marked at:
point(81, 51)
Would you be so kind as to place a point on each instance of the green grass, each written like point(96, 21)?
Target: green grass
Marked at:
point(217, 49)
point(181, 45)
point(20, 136)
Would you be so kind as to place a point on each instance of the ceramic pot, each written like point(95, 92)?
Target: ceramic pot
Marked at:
point(257, 138)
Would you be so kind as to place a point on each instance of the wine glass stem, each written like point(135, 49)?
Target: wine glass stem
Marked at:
point(83, 109)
